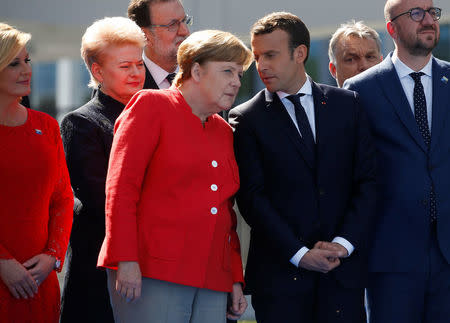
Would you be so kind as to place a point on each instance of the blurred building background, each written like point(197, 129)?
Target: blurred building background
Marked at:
point(60, 79)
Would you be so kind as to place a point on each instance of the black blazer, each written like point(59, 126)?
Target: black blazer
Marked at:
point(288, 200)
point(87, 137)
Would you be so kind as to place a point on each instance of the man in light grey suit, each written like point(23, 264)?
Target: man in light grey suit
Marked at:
point(407, 99)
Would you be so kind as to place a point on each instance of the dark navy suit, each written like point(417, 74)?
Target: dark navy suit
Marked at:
point(405, 244)
point(290, 201)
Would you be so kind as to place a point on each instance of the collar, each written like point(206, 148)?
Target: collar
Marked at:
point(108, 102)
point(305, 89)
point(157, 72)
point(403, 70)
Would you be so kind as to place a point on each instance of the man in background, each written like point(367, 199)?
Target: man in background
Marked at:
point(165, 25)
point(353, 48)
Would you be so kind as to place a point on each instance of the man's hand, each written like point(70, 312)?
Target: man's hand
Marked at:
point(320, 260)
point(237, 303)
point(129, 280)
point(18, 280)
point(40, 266)
point(333, 246)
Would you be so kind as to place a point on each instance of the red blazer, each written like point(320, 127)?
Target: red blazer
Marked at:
point(169, 194)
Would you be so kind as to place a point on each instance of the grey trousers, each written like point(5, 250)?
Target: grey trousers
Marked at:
point(165, 302)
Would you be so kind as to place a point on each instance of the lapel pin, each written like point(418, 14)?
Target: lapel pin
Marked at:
point(38, 131)
point(444, 79)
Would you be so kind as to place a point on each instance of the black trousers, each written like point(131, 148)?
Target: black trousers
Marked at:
point(321, 300)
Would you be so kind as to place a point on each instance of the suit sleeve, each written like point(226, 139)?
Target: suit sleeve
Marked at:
point(360, 215)
point(87, 162)
point(252, 199)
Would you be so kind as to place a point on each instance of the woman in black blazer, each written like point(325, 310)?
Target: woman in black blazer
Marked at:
point(112, 51)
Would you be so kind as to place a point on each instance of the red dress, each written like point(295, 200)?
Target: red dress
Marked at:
point(35, 210)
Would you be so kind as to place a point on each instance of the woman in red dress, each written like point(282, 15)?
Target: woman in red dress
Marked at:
point(35, 197)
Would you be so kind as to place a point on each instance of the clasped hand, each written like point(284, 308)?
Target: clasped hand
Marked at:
point(24, 279)
point(324, 257)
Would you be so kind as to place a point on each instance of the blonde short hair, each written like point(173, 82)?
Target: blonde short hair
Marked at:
point(12, 41)
point(106, 32)
point(210, 46)
point(355, 29)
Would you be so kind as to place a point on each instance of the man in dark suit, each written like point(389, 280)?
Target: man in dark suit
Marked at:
point(407, 99)
point(165, 25)
point(306, 165)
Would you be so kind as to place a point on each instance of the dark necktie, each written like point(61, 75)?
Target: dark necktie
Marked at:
point(170, 77)
point(302, 122)
point(420, 113)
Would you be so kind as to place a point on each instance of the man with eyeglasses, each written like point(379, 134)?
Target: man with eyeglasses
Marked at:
point(407, 98)
point(165, 25)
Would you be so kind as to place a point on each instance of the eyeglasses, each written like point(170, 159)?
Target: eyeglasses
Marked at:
point(418, 14)
point(175, 25)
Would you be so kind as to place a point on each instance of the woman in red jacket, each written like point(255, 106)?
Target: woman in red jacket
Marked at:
point(171, 246)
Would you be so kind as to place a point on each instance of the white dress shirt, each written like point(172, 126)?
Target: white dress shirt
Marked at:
point(307, 102)
point(407, 82)
point(157, 72)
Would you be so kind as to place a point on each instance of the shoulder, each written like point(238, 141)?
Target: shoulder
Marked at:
point(85, 115)
point(254, 104)
point(335, 92)
point(43, 119)
point(441, 63)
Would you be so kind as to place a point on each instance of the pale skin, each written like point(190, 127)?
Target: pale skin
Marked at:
point(22, 280)
point(408, 34)
point(353, 55)
point(162, 44)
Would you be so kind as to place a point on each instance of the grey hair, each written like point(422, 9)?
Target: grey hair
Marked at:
point(352, 28)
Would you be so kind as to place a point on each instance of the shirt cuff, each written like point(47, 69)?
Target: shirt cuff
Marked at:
point(344, 242)
point(295, 260)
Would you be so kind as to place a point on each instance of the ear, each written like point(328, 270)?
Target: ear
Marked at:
point(390, 27)
point(97, 72)
point(196, 72)
point(148, 35)
point(300, 53)
point(332, 69)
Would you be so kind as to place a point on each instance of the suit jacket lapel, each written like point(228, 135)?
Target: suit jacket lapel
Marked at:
point(441, 99)
point(149, 81)
point(283, 121)
point(390, 83)
point(320, 104)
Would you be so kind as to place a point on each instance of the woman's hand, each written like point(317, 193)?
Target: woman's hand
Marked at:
point(40, 266)
point(17, 278)
point(129, 280)
point(238, 303)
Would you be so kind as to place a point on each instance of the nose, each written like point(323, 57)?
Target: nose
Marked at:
point(27, 69)
point(183, 29)
point(134, 70)
point(363, 65)
point(237, 81)
point(427, 19)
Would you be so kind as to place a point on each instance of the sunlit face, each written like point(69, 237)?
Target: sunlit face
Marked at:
point(219, 83)
point(121, 72)
point(16, 77)
point(416, 38)
point(353, 56)
point(278, 67)
point(162, 44)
